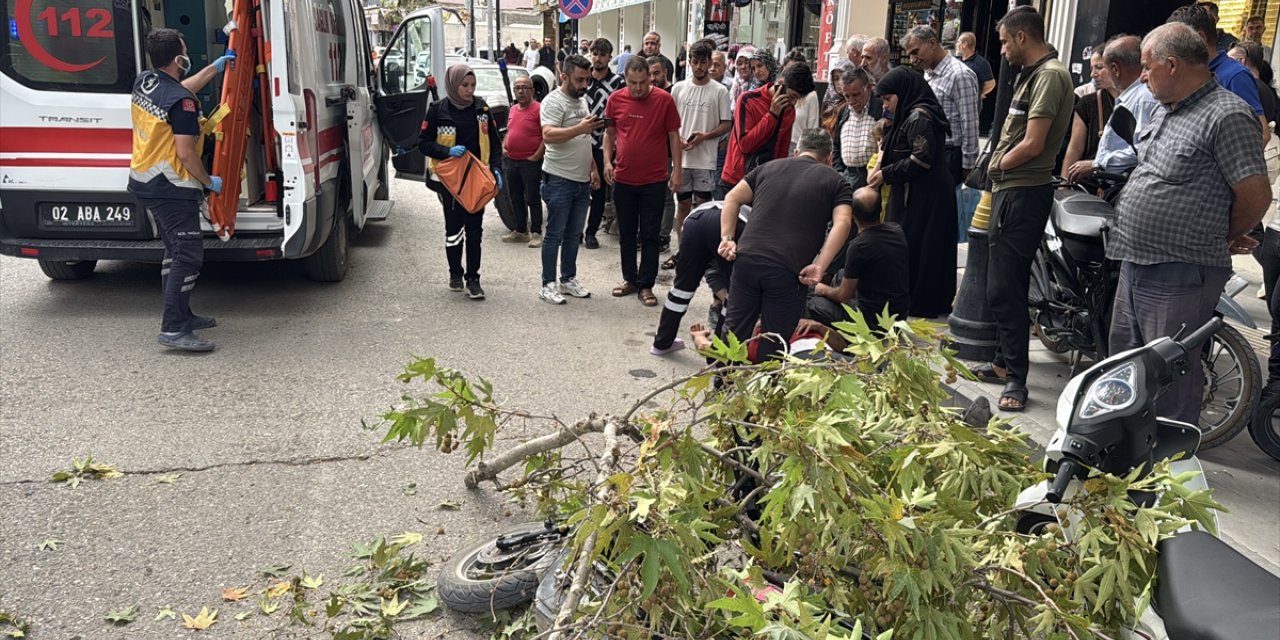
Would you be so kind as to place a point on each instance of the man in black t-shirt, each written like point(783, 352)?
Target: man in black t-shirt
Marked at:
point(876, 269)
point(782, 252)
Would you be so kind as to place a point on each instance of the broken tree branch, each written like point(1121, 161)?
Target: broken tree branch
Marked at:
point(561, 437)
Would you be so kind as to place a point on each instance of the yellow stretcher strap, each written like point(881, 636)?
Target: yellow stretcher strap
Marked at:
point(215, 119)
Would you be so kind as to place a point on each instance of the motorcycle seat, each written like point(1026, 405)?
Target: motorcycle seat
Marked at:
point(1209, 591)
point(1080, 214)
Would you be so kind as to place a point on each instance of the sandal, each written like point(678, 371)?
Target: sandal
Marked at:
point(623, 290)
point(987, 372)
point(1014, 397)
point(647, 298)
point(670, 263)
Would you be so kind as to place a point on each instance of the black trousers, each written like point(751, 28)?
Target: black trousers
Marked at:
point(769, 293)
point(698, 251)
point(525, 179)
point(1268, 254)
point(598, 196)
point(1018, 216)
point(461, 229)
point(179, 222)
point(639, 209)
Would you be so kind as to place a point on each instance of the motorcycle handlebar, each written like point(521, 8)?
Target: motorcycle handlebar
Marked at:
point(1067, 469)
point(1118, 178)
point(1199, 336)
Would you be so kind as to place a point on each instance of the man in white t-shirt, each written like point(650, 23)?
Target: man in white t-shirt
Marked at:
point(531, 55)
point(705, 116)
point(570, 176)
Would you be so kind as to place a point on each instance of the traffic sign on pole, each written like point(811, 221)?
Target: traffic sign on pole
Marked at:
point(576, 9)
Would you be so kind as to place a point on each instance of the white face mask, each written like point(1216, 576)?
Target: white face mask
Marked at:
point(184, 64)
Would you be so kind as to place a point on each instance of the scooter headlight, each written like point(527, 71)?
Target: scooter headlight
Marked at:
point(1112, 392)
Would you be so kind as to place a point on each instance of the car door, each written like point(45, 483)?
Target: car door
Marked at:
point(405, 90)
point(363, 142)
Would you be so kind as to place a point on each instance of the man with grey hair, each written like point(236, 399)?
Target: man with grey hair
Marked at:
point(782, 252)
point(1123, 59)
point(875, 58)
point(853, 146)
point(1199, 187)
point(956, 87)
point(840, 68)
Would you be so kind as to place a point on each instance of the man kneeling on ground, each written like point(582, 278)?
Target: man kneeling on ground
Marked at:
point(875, 269)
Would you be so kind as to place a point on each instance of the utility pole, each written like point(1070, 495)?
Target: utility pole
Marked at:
point(497, 22)
point(471, 27)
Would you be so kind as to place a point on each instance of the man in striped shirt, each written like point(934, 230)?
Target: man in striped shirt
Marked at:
point(956, 86)
point(602, 83)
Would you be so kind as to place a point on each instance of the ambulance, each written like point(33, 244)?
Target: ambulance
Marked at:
point(321, 133)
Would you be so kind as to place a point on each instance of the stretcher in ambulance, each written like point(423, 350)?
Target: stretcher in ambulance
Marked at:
point(314, 167)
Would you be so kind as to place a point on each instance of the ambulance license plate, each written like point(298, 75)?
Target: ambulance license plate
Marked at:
point(86, 215)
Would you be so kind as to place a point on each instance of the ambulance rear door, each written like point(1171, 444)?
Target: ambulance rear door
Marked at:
point(408, 73)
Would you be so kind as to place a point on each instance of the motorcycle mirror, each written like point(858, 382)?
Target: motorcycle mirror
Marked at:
point(1124, 124)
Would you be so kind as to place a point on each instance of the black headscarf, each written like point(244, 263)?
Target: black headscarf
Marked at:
point(913, 93)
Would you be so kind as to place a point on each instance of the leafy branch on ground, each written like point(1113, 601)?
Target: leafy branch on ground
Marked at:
point(85, 469)
point(11, 626)
point(808, 498)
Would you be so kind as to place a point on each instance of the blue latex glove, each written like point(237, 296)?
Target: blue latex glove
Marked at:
point(221, 63)
point(215, 184)
point(497, 175)
point(457, 152)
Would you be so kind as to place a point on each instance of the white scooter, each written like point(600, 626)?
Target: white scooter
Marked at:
point(1106, 421)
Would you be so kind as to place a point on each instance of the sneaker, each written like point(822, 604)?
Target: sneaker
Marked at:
point(185, 341)
point(676, 345)
point(551, 293)
point(515, 237)
point(455, 283)
point(591, 242)
point(474, 291)
point(203, 322)
point(535, 240)
point(574, 288)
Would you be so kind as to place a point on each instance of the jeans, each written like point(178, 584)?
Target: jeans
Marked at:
point(639, 209)
point(524, 178)
point(461, 227)
point(1159, 300)
point(1018, 216)
point(179, 222)
point(598, 196)
point(768, 292)
point(966, 204)
point(856, 177)
point(668, 219)
point(567, 203)
point(719, 192)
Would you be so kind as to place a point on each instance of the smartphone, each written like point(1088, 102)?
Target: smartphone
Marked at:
point(690, 138)
point(608, 122)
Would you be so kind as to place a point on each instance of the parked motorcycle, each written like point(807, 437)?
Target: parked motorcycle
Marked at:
point(1072, 291)
point(1106, 421)
point(1265, 425)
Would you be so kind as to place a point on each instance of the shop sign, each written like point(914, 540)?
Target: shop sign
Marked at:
point(826, 35)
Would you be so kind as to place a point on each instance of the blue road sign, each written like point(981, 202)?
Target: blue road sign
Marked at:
point(576, 9)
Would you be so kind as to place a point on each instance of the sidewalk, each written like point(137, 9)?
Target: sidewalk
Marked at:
point(1244, 479)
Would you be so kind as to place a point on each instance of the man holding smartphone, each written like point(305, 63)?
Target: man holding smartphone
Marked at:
point(704, 116)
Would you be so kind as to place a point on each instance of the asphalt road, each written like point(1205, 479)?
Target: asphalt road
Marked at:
point(265, 432)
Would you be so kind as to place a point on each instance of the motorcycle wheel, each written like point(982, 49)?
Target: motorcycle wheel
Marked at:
point(1033, 524)
point(1232, 380)
point(1265, 425)
point(483, 578)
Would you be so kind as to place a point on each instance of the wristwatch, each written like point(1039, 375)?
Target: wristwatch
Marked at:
point(727, 239)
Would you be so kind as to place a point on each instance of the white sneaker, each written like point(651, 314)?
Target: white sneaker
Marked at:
point(551, 293)
point(574, 288)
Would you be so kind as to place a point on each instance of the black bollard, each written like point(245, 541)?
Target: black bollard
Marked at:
point(972, 329)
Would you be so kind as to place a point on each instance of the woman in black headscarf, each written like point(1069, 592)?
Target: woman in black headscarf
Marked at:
point(922, 196)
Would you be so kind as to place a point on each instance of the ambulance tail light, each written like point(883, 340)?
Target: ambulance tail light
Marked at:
point(30, 252)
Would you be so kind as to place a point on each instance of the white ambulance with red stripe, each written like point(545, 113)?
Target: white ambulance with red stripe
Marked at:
point(316, 167)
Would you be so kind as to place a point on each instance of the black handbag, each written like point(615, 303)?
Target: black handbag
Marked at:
point(979, 178)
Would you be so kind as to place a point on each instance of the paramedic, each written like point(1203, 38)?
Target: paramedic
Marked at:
point(168, 178)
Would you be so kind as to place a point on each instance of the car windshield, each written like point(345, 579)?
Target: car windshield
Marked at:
point(489, 80)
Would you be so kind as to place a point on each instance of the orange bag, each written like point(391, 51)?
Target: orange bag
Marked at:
point(468, 181)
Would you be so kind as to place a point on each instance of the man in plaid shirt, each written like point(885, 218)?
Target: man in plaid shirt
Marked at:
point(956, 86)
point(602, 83)
point(1199, 187)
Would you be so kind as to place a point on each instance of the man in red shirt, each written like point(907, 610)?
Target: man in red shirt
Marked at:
point(762, 117)
point(643, 126)
point(522, 152)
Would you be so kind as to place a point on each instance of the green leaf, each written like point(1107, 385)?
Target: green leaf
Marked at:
point(166, 613)
point(50, 545)
point(421, 608)
point(311, 582)
point(449, 505)
point(244, 615)
point(171, 478)
point(274, 570)
point(124, 616)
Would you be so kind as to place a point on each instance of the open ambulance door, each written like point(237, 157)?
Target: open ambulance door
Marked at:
point(364, 145)
point(408, 73)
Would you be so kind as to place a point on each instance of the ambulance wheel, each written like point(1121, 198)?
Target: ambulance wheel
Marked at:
point(329, 264)
point(61, 270)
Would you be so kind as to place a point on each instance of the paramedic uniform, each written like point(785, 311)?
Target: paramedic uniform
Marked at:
point(163, 108)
